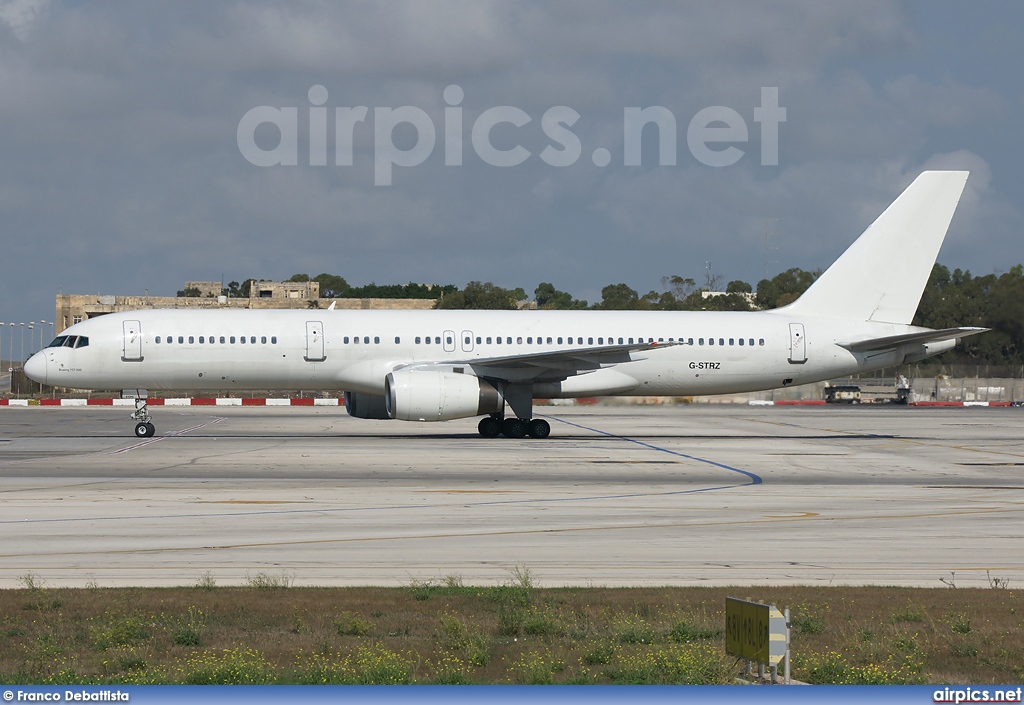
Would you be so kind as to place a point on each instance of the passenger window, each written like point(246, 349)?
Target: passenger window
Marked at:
point(345, 340)
point(428, 340)
point(273, 340)
point(488, 340)
point(661, 340)
point(508, 341)
point(732, 341)
point(252, 339)
point(242, 340)
point(355, 340)
point(437, 340)
point(620, 341)
point(741, 341)
point(519, 341)
point(549, 341)
point(529, 340)
point(467, 340)
point(181, 340)
point(498, 340)
point(62, 342)
point(169, 339)
point(590, 341)
point(82, 342)
point(448, 339)
point(398, 341)
point(418, 340)
point(222, 340)
point(191, 340)
point(202, 339)
point(689, 341)
point(376, 340)
point(366, 340)
point(559, 341)
point(478, 340)
point(232, 340)
point(721, 341)
point(263, 340)
point(760, 341)
point(751, 342)
point(630, 341)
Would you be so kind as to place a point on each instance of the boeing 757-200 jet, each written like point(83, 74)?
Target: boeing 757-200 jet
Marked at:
point(442, 365)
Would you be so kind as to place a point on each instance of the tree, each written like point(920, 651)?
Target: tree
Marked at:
point(234, 290)
point(784, 288)
point(479, 295)
point(548, 297)
point(332, 286)
point(738, 286)
point(618, 297)
point(190, 292)
point(299, 278)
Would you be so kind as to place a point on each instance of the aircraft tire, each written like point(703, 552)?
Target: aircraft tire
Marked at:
point(489, 427)
point(538, 428)
point(513, 428)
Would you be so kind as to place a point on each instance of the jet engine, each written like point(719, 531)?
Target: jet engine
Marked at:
point(366, 406)
point(439, 395)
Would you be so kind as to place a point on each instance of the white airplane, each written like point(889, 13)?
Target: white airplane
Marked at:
point(442, 365)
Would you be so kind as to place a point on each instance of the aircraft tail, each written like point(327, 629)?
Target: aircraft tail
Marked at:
point(882, 275)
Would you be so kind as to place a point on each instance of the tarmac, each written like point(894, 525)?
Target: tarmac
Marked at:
point(618, 496)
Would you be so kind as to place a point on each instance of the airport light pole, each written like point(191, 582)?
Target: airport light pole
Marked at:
point(21, 360)
point(31, 336)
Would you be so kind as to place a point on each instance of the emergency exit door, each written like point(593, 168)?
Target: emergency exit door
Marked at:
point(797, 344)
point(315, 342)
point(132, 341)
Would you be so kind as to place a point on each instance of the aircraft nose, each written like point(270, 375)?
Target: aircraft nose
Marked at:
point(35, 367)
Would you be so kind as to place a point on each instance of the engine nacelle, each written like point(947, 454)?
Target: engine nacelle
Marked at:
point(435, 395)
point(920, 352)
point(366, 406)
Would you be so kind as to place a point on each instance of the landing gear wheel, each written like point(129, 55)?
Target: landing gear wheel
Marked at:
point(538, 428)
point(144, 430)
point(489, 427)
point(513, 428)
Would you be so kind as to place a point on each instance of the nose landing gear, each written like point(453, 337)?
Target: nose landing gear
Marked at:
point(144, 428)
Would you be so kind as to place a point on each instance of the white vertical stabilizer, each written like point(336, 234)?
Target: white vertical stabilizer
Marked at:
point(882, 275)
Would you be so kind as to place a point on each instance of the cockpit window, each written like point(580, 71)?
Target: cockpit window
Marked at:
point(58, 341)
point(83, 341)
point(70, 341)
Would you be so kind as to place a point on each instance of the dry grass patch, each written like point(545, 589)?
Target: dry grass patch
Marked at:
point(448, 632)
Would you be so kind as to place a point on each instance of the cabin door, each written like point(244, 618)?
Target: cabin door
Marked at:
point(797, 344)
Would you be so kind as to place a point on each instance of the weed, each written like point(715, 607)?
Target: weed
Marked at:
point(521, 577)
point(536, 668)
point(265, 581)
point(950, 581)
point(963, 650)
point(206, 582)
point(809, 624)
point(866, 635)
point(682, 632)
point(453, 581)
point(454, 634)
point(228, 667)
point(832, 668)
point(543, 622)
point(600, 654)
point(997, 583)
point(352, 624)
point(960, 623)
point(450, 670)
point(421, 589)
point(633, 630)
point(189, 630)
point(121, 630)
point(908, 614)
point(685, 664)
point(32, 582)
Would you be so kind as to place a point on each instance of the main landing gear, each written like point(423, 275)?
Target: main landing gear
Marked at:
point(143, 429)
point(494, 426)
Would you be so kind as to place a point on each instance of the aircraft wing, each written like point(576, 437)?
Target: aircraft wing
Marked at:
point(554, 365)
point(926, 336)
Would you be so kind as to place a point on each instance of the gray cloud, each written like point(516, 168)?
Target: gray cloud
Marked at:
point(119, 169)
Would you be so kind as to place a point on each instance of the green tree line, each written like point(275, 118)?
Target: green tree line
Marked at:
point(950, 299)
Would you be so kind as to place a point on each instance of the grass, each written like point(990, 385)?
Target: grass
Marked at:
point(513, 633)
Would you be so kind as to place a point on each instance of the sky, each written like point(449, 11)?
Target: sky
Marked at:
point(133, 138)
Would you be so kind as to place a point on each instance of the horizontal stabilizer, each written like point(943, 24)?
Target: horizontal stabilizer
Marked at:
point(927, 336)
